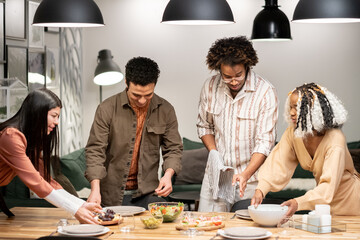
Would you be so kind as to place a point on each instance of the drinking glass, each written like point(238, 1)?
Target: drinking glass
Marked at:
point(127, 222)
point(62, 223)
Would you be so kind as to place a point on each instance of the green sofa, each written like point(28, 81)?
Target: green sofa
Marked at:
point(70, 174)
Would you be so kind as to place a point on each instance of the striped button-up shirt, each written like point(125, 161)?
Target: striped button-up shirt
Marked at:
point(242, 125)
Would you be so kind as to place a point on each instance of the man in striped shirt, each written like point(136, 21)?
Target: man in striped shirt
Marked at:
point(238, 111)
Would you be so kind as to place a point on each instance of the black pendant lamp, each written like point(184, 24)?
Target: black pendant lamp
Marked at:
point(271, 24)
point(107, 71)
point(68, 13)
point(327, 11)
point(198, 12)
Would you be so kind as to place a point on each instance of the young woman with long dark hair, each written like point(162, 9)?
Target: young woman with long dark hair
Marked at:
point(27, 141)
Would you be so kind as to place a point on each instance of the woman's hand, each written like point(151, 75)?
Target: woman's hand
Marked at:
point(85, 214)
point(292, 207)
point(242, 183)
point(257, 198)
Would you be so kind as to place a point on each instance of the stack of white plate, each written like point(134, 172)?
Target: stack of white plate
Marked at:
point(245, 233)
point(243, 213)
point(83, 230)
point(126, 209)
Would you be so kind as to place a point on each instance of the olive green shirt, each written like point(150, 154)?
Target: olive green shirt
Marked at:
point(110, 146)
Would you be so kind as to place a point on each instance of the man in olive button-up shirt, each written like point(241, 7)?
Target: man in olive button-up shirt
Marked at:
point(123, 150)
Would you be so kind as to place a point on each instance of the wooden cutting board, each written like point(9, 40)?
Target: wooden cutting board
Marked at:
point(117, 219)
point(209, 228)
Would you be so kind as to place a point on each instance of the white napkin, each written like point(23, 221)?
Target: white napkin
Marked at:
point(220, 178)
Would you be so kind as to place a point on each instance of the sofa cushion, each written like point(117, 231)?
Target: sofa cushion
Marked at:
point(355, 154)
point(286, 194)
point(73, 166)
point(17, 189)
point(302, 173)
point(193, 166)
point(59, 177)
point(353, 145)
point(189, 144)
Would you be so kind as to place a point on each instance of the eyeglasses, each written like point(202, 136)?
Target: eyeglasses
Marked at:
point(228, 80)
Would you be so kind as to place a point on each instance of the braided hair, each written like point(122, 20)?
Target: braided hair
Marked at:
point(317, 109)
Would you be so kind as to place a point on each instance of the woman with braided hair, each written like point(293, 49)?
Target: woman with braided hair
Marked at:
point(315, 140)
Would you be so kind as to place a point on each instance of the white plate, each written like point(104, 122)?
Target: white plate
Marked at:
point(222, 233)
point(126, 209)
point(243, 213)
point(243, 217)
point(245, 232)
point(83, 234)
point(83, 229)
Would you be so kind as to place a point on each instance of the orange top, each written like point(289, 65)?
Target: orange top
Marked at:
point(141, 113)
point(14, 161)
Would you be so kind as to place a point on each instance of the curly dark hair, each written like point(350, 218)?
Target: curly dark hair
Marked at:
point(231, 51)
point(141, 71)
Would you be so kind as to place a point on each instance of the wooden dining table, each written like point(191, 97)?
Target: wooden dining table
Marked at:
point(32, 223)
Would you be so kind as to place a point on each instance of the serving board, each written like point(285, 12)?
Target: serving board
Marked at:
point(207, 228)
point(116, 220)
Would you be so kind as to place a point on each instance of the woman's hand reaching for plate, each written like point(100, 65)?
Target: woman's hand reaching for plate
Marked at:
point(85, 214)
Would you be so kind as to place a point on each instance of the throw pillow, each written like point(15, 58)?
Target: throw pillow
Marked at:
point(302, 173)
point(189, 144)
point(193, 166)
point(73, 166)
point(60, 177)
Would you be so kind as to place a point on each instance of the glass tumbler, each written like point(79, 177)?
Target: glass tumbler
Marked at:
point(127, 222)
point(62, 223)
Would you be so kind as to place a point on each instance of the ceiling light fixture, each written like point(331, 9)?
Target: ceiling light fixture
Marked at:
point(271, 24)
point(327, 11)
point(68, 13)
point(198, 12)
point(107, 71)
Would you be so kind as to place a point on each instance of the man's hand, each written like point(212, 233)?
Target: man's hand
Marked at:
point(165, 185)
point(255, 162)
point(242, 183)
point(85, 214)
point(95, 196)
point(257, 198)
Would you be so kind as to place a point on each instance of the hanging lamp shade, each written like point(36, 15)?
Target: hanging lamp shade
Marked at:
point(68, 13)
point(327, 11)
point(198, 12)
point(271, 24)
point(107, 71)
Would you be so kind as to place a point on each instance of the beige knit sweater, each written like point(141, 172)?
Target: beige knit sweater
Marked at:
point(338, 183)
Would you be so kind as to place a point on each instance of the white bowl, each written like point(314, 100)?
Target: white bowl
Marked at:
point(267, 215)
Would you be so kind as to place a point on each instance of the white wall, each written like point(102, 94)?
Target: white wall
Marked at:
point(325, 54)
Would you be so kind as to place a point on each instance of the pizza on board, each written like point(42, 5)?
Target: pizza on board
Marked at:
point(108, 218)
point(205, 223)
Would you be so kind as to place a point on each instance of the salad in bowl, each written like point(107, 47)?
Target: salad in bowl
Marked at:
point(168, 210)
